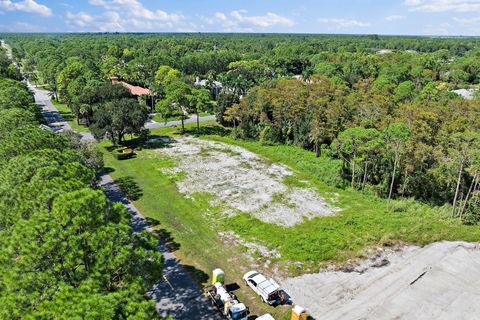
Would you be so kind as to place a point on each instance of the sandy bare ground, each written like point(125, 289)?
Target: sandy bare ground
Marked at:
point(243, 181)
point(439, 281)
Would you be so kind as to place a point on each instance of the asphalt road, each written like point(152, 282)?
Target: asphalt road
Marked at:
point(179, 296)
point(192, 119)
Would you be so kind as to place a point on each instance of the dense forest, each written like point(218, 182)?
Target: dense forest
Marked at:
point(382, 108)
point(65, 251)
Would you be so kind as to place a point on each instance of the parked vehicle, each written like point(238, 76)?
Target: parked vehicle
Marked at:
point(227, 303)
point(267, 316)
point(267, 289)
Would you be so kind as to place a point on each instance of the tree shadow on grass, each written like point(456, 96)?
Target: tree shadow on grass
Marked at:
point(154, 141)
point(164, 235)
point(208, 130)
point(167, 238)
point(108, 170)
point(129, 187)
point(198, 275)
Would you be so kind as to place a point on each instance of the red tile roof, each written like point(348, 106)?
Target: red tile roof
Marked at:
point(136, 90)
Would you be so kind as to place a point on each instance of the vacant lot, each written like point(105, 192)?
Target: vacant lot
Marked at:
point(206, 229)
point(241, 181)
point(439, 281)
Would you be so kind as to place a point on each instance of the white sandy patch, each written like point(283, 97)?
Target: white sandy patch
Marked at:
point(253, 248)
point(244, 182)
point(439, 281)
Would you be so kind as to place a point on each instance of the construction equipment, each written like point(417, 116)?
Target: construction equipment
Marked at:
point(299, 313)
point(267, 289)
point(227, 303)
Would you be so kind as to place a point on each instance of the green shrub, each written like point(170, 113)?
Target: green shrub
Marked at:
point(124, 153)
point(471, 215)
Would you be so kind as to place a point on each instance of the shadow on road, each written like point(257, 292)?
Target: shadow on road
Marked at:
point(177, 294)
point(130, 188)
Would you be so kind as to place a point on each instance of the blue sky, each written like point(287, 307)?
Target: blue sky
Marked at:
point(413, 17)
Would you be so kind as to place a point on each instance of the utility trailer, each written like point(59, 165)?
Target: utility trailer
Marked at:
point(227, 303)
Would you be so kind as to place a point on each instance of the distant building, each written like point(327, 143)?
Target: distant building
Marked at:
point(465, 93)
point(384, 51)
point(137, 91)
point(134, 90)
point(216, 87)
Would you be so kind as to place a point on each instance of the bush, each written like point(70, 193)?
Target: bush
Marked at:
point(124, 153)
point(471, 215)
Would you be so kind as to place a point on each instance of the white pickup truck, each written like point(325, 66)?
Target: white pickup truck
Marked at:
point(267, 289)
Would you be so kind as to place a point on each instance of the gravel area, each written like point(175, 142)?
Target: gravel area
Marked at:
point(244, 182)
point(439, 281)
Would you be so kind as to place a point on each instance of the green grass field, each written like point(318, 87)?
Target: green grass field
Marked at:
point(365, 220)
point(160, 119)
point(69, 117)
point(191, 226)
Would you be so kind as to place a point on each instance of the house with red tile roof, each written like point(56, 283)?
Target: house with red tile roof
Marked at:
point(134, 90)
point(137, 91)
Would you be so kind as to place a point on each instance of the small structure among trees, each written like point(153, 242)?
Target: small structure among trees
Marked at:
point(137, 91)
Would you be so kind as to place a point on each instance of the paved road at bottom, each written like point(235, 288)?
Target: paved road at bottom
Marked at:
point(178, 295)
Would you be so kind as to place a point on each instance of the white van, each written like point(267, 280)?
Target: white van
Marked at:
point(267, 289)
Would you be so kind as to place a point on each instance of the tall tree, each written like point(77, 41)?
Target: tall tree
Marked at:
point(117, 118)
point(352, 144)
point(396, 136)
point(199, 102)
point(464, 146)
point(177, 95)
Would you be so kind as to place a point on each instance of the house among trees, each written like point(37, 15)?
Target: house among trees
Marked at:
point(137, 91)
point(384, 51)
point(465, 93)
point(215, 87)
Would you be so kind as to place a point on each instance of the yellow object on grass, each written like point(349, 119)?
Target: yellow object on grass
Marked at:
point(218, 276)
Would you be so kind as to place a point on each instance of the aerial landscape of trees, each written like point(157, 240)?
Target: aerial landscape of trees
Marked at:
point(65, 251)
point(392, 119)
point(373, 116)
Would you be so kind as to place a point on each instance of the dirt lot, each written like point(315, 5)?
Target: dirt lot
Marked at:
point(242, 181)
point(439, 281)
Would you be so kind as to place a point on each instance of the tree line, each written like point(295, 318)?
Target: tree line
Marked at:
point(391, 119)
point(65, 250)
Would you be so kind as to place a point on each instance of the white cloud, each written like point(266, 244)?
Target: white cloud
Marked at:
point(345, 23)
point(128, 16)
point(29, 6)
point(443, 5)
point(265, 21)
point(239, 20)
point(19, 26)
point(134, 8)
point(394, 18)
point(467, 21)
point(443, 29)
